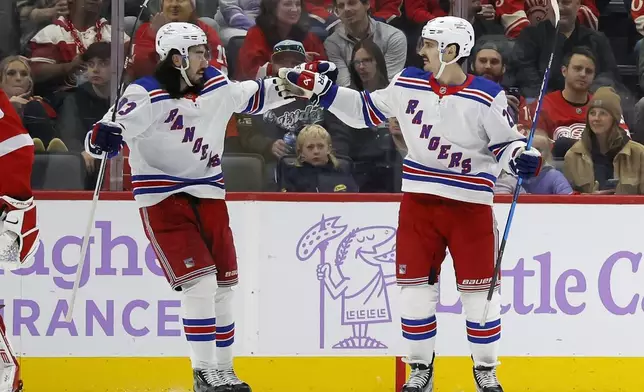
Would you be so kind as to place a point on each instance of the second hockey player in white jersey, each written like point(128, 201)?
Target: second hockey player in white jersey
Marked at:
point(459, 136)
point(174, 124)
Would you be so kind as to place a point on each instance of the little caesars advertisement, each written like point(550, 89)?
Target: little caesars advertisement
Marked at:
point(318, 279)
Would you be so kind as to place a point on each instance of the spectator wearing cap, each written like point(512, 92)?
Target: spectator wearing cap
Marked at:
point(88, 103)
point(278, 20)
point(145, 56)
point(57, 49)
point(605, 160)
point(534, 45)
point(235, 17)
point(273, 134)
point(357, 25)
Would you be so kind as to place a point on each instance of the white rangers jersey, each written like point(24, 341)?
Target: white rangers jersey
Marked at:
point(176, 144)
point(458, 137)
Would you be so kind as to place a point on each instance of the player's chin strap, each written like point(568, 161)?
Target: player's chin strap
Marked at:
point(444, 64)
point(183, 69)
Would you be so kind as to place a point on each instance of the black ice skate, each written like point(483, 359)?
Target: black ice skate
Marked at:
point(208, 380)
point(421, 378)
point(233, 382)
point(486, 381)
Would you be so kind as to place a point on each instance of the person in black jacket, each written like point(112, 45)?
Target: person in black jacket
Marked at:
point(316, 168)
point(533, 47)
point(88, 103)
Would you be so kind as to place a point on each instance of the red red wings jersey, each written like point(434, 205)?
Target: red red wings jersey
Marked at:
point(517, 14)
point(558, 117)
point(16, 153)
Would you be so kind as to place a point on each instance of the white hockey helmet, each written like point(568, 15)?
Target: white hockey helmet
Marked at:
point(450, 30)
point(180, 36)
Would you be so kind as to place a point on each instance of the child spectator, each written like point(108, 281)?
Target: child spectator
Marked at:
point(88, 103)
point(317, 169)
point(278, 20)
point(274, 133)
point(37, 116)
point(145, 56)
point(605, 160)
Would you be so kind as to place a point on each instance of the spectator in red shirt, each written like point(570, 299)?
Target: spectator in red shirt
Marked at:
point(564, 112)
point(278, 20)
point(145, 57)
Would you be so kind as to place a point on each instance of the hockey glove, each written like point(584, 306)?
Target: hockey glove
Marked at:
point(526, 163)
point(106, 136)
point(326, 68)
point(20, 237)
point(303, 84)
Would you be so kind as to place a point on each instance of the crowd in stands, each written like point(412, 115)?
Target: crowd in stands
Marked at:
point(56, 67)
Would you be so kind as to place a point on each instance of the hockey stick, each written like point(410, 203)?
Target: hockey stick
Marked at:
point(101, 174)
point(517, 190)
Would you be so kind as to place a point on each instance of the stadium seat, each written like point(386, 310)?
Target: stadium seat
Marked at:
point(345, 163)
point(243, 172)
point(58, 172)
point(232, 54)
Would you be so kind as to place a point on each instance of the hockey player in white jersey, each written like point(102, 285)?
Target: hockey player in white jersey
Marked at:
point(459, 135)
point(174, 125)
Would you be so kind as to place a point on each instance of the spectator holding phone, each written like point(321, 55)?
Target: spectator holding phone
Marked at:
point(605, 160)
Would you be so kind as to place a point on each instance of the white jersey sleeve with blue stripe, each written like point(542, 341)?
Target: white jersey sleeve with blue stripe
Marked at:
point(134, 111)
point(248, 97)
point(361, 109)
point(502, 131)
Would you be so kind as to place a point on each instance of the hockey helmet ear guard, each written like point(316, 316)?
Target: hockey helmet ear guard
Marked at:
point(446, 31)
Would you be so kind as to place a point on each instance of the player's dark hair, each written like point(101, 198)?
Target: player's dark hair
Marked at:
point(381, 65)
point(267, 22)
point(170, 78)
point(580, 50)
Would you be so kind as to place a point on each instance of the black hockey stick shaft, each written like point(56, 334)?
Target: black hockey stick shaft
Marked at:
point(517, 190)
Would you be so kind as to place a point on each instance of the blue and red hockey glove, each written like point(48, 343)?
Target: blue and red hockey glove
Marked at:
point(304, 84)
point(105, 136)
point(326, 68)
point(526, 163)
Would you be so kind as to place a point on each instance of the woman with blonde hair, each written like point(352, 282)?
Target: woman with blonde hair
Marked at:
point(316, 168)
point(36, 114)
point(605, 160)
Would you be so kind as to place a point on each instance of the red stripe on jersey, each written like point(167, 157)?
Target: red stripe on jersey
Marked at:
point(471, 180)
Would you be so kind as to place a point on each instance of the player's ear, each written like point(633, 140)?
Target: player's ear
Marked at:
point(177, 60)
